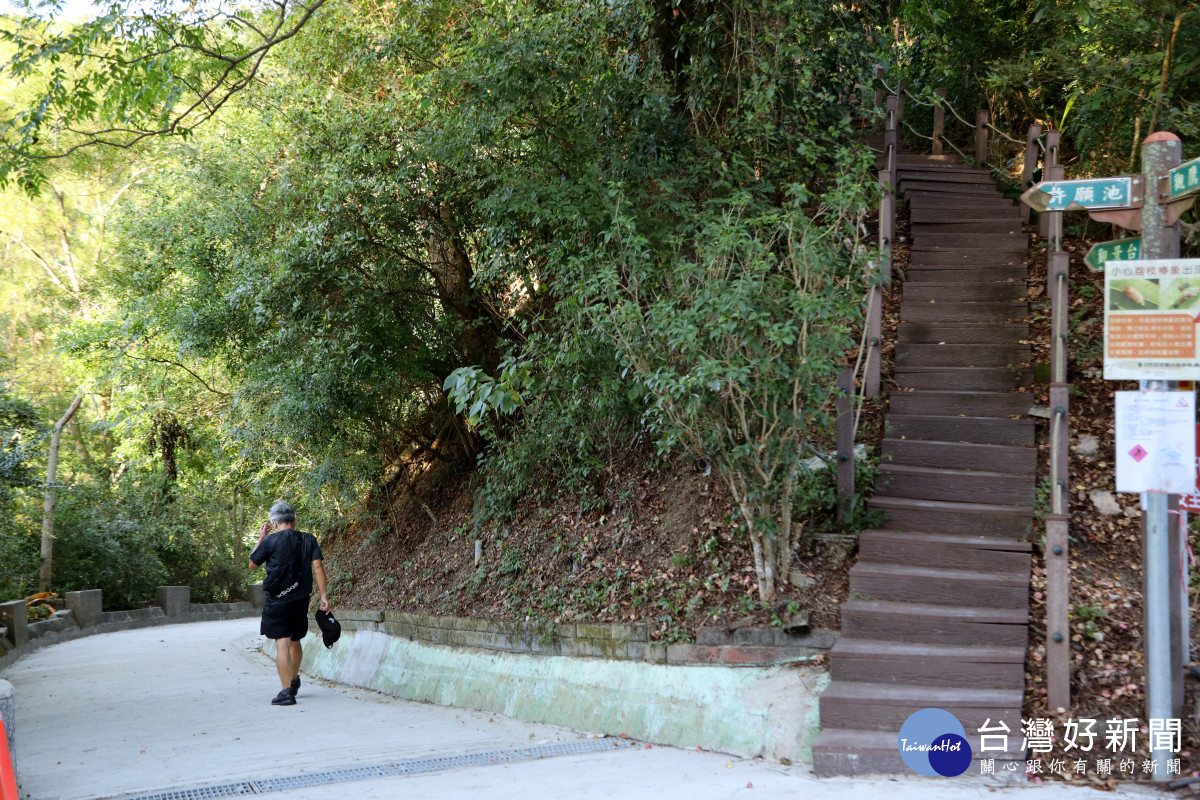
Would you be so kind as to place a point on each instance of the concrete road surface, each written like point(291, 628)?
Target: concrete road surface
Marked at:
point(187, 706)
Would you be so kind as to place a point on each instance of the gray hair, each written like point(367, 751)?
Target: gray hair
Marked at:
point(282, 512)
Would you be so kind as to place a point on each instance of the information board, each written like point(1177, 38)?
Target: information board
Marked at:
point(1156, 442)
point(1151, 313)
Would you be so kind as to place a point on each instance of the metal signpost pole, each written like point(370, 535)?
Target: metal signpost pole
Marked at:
point(1160, 152)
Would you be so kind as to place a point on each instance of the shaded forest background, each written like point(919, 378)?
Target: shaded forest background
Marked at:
point(467, 261)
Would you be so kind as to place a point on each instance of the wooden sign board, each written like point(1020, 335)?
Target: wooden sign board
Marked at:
point(1182, 180)
point(1116, 250)
point(1122, 191)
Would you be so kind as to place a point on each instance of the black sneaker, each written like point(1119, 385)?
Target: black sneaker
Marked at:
point(295, 687)
point(284, 698)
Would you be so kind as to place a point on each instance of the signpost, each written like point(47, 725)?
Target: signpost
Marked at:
point(1116, 250)
point(1148, 348)
point(1124, 191)
point(1182, 181)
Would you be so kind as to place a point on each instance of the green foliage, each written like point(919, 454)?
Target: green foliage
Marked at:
point(602, 223)
point(815, 500)
point(737, 331)
point(1088, 619)
point(19, 435)
point(1105, 72)
point(126, 541)
point(473, 393)
point(128, 74)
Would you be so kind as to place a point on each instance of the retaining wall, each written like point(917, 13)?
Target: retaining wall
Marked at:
point(751, 692)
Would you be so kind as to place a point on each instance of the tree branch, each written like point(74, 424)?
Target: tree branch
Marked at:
point(182, 367)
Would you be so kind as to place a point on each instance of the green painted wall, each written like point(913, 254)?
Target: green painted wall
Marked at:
point(748, 711)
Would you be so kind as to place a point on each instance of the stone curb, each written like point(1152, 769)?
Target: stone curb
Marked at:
point(84, 607)
point(747, 647)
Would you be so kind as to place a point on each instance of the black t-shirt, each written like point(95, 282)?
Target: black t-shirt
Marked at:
point(307, 551)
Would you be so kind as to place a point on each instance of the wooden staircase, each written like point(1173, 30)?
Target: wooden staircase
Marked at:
point(939, 599)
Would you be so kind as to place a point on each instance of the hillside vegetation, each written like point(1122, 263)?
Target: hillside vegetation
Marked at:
point(571, 280)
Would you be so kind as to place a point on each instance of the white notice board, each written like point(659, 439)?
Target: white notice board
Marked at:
point(1156, 442)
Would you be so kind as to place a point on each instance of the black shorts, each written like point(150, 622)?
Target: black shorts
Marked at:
point(285, 620)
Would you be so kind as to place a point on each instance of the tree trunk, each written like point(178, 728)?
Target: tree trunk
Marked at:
point(44, 573)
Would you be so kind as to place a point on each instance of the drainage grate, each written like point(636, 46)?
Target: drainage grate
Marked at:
point(395, 768)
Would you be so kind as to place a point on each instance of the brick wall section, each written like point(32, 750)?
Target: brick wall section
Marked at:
point(619, 641)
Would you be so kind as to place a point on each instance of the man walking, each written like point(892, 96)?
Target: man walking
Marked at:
point(287, 554)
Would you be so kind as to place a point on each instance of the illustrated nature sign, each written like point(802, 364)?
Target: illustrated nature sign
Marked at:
point(1151, 312)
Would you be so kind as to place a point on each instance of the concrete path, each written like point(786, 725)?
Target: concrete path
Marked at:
point(182, 706)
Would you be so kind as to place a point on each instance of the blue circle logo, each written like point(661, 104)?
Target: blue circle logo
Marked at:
point(933, 742)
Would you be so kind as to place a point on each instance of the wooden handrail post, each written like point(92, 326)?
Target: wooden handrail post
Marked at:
point(1049, 162)
point(1058, 623)
point(845, 442)
point(874, 344)
point(891, 139)
point(899, 100)
point(1031, 159)
point(887, 224)
point(1055, 557)
point(1058, 287)
point(881, 276)
point(939, 122)
point(981, 138)
point(879, 86)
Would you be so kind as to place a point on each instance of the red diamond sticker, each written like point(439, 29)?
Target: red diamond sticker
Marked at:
point(1138, 452)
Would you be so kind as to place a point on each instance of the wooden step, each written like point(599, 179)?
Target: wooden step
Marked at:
point(1011, 459)
point(944, 549)
point(924, 214)
point(905, 158)
point(962, 332)
point(944, 187)
point(959, 519)
point(933, 290)
point(989, 379)
point(963, 259)
point(983, 430)
point(936, 483)
point(856, 753)
point(921, 230)
point(1016, 273)
point(949, 403)
point(950, 160)
point(991, 242)
point(885, 707)
point(912, 173)
point(882, 661)
point(905, 583)
point(963, 312)
point(961, 355)
point(938, 624)
point(951, 204)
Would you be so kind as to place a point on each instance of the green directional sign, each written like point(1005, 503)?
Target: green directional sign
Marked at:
point(1184, 179)
point(1087, 193)
point(1118, 250)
